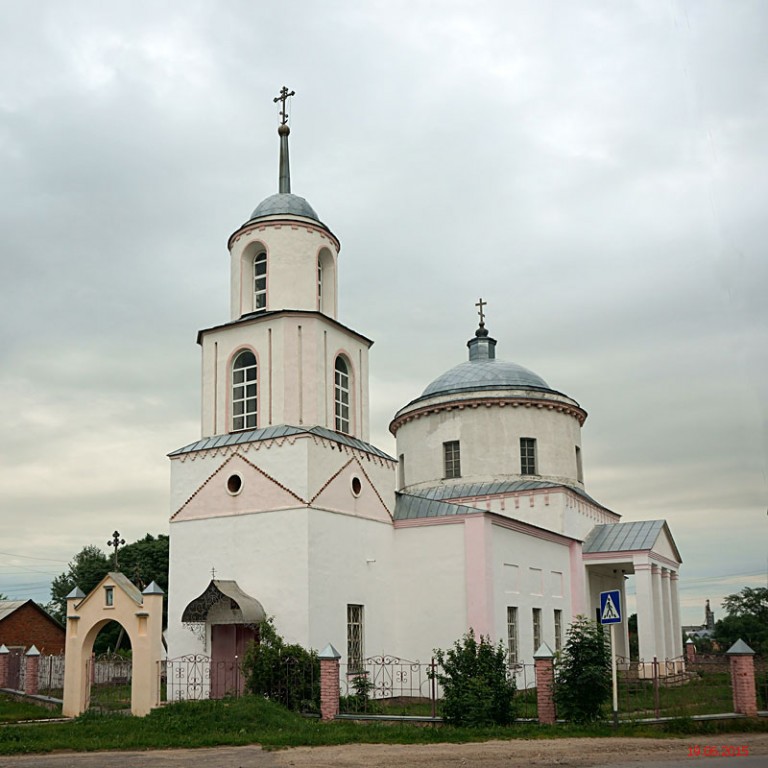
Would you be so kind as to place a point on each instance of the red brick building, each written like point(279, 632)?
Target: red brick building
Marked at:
point(23, 623)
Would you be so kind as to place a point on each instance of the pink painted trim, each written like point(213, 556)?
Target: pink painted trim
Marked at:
point(279, 224)
point(528, 402)
point(577, 578)
point(477, 574)
point(353, 460)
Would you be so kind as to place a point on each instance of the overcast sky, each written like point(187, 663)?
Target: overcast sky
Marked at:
point(596, 171)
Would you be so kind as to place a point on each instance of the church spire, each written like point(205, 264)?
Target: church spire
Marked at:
point(283, 130)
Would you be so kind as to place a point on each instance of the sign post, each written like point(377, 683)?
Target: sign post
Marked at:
point(610, 613)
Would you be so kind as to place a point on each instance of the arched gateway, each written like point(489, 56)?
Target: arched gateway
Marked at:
point(140, 614)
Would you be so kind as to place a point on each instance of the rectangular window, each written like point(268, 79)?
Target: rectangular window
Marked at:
point(109, 595)
point(536, 629)
point(401, 472)
point(511, 635)
point(579, 468)
point(355, 638)
point(452, 459)
point(558, 630)
point(527, 456)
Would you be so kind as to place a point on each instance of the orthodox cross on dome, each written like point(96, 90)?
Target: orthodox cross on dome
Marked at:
point(115, 542)
point(480, 312)
point(213, 573)
point(285, 94)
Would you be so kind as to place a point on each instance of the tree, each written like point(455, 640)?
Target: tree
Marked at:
point(477, 687)
point(286, 673)
point(583, 672)
point(746, 619)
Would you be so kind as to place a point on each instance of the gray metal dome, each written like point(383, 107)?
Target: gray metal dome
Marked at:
point(284, 203)
point(484, 374)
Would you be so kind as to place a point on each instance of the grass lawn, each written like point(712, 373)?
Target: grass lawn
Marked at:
point(11, 711)
point(252, 720)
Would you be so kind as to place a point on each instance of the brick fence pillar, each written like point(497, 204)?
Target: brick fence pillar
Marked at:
point(32, 662)
point(545, 684)
point(4, 656)
point(742, 661)
point(329, 682)
point(690, 650)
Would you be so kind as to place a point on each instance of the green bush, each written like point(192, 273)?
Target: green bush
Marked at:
point(477, 689)
point(285, 673)
point(583, 673)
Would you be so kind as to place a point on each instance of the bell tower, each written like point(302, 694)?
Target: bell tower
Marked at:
point(283, 357)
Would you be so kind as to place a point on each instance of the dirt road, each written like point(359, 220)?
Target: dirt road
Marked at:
point(569, 753)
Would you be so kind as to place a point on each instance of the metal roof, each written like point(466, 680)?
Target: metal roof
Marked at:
point(280, 430)
point(465, 490)
point(408, 507)
point(623, 537)
point(7, 607)
point(485, 374)
point(284, 203)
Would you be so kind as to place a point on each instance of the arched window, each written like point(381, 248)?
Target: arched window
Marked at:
point(341, 395)
point(260, 282)
point(244, 395)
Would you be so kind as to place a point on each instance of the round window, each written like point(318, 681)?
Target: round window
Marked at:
point(234, 484)
point(357, 486)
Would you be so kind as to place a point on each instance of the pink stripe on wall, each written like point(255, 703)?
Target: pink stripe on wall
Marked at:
point(479, 578)
point(577, 579)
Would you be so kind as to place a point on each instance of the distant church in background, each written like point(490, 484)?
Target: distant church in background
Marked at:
point(284, 508)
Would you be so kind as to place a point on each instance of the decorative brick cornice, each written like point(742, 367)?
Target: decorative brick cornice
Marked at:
point(542, 404)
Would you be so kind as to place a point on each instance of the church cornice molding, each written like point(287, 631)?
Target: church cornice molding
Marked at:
point(488, 402)
point(280, 223)
point(260, 317)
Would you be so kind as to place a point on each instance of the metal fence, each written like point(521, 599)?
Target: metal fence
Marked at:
point(669, 688)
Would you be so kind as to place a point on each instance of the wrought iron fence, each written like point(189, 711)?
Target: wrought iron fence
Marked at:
point(525, 703)
point(389, 685)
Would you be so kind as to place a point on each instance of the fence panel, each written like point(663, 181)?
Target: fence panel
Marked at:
point(526, 704)
point(50, 676)
point(389, 685)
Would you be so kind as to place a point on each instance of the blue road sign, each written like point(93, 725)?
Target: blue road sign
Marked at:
point(610, 607)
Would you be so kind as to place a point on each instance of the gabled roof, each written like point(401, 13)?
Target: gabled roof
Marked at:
point(9, 607)
point(123, 582)
point(628, 537)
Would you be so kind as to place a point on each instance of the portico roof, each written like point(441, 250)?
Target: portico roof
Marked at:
point(638, 536)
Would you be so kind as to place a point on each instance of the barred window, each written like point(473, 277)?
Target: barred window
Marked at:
point(244, 395)
point(558, 630)
point(260, 282)
point(452, 459)
point(527, 456)
point(341, 395)
point(355, 638)
point(536, 629)
point(512, 639)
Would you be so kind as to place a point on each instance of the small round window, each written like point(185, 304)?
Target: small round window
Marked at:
point(234, 484)
point(357, 486)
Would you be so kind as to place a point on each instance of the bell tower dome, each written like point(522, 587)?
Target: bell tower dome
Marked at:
point(283, 257)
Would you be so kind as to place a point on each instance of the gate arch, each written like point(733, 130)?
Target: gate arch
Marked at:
point(140, 614)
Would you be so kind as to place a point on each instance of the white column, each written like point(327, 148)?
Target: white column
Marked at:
point(676, 627)
point(644, 597)
point(666, 605)
point(658, 615)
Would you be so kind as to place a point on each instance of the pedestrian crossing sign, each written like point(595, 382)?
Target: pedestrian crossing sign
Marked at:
point(610, 607)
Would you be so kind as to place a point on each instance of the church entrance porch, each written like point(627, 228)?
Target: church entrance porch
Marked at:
point(225, 620)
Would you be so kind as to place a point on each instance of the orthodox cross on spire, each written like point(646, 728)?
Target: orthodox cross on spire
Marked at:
point(285, 94)
point(480, 312)
point(115, 542)
point(284, 173)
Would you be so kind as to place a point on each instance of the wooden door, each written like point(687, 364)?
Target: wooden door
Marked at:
point(229, 643)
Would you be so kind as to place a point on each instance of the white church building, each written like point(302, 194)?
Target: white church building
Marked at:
point(284, 508)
